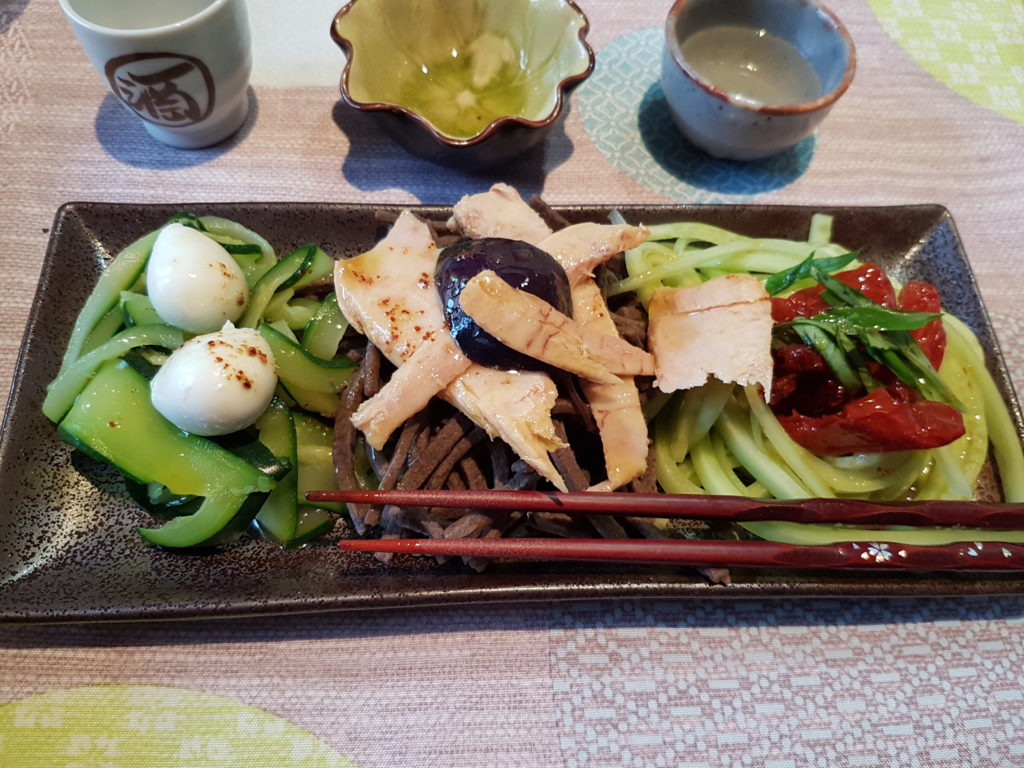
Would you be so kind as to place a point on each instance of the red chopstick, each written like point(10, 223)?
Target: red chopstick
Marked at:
point(974, 556)
point(714, 553)
point(700, 507)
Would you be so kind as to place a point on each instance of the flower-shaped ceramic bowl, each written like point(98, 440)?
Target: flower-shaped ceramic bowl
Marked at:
point(464, 83)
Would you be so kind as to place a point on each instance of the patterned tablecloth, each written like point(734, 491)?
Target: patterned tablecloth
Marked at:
point(934, 116)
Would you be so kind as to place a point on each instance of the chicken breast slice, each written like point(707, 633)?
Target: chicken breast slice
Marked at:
point(514, 406)
point(528, 324)
point(615, 406)
point(580, 248)
point(429, 370)
point(499, 212)
point(721, 328)
point(388, 295)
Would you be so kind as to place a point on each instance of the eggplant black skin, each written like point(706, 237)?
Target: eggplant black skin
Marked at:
point(521, 265)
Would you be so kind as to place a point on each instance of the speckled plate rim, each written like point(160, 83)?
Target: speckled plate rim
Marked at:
point(64, 559)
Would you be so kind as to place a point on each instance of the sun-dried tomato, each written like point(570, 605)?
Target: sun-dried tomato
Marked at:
point(931, 337)
point(804, 383)
point(890, 418)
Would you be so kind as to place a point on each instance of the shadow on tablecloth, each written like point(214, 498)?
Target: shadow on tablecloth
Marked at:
point(123, 137)
point(9, 13)
point(375, 162)
point(622, 614)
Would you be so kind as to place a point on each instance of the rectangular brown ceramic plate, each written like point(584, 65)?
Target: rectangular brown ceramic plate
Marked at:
point(67, 547)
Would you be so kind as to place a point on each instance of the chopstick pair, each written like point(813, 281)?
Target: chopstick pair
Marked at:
point(711, 553)
point(701, 507)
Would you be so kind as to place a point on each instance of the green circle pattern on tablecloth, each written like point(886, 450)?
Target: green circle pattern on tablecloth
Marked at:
point(124, 726)
point(976, 47)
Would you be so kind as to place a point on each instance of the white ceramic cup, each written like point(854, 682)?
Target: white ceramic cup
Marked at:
point(182, 66)
point(726, 125)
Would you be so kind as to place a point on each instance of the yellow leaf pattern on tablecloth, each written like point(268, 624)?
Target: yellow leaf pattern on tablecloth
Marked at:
point(976, 47)
point(125, 726)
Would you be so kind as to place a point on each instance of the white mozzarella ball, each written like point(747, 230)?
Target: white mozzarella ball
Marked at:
point(217, 383)
point(193, 282)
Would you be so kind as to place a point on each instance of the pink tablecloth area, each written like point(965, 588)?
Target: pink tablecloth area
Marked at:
point(631, 682)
